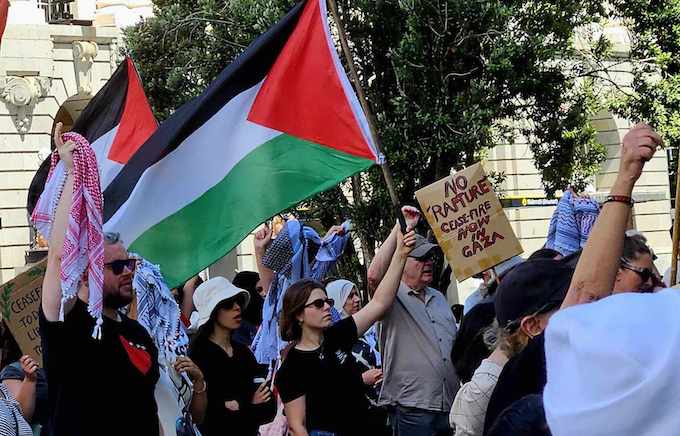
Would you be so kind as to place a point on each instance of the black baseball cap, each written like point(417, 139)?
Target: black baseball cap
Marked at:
point(533, 286)
point(423, 248)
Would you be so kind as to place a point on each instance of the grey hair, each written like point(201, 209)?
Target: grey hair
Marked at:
point(111, 238)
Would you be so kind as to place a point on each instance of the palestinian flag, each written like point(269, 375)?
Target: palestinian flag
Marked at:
point(116, 122)
point(277, 126)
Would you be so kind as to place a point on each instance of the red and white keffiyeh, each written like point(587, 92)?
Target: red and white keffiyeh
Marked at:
point(83, 243)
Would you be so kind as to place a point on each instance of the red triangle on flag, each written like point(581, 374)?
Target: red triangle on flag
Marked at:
point(137, 122)
point(302, 94)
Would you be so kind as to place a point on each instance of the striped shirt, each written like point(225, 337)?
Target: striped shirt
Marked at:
point(12, 422)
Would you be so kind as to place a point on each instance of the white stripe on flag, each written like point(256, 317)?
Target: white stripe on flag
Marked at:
point(199, 163)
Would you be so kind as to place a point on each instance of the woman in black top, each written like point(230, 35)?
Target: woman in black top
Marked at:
point(318, 378)
point(238, 403)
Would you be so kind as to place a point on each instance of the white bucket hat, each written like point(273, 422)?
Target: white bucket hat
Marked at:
point(613, 367)
point(211, 293)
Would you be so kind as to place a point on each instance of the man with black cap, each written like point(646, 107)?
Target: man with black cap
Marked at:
point(525, 300)
point(419, 381)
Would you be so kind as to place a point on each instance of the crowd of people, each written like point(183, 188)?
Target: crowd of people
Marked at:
point(528, 357)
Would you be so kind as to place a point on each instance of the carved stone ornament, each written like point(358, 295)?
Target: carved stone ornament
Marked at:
point(21, 94)
point(84, 53)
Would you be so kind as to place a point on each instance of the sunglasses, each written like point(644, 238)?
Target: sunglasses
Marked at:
point(644, 273)
point(229, 303)
point(118, 266)
point(320, 302)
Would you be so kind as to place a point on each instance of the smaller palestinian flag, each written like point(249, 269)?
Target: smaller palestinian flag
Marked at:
point(116, 122)
point(278, 125)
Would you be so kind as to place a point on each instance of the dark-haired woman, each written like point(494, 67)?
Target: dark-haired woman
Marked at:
point(239, 400)
point(320, 386)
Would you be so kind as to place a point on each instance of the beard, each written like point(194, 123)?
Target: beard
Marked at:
point(116, 299)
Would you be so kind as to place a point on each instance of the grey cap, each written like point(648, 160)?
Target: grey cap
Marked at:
point(423, 247)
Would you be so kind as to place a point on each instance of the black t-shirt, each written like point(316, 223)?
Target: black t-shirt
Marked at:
point(99, 387)
point(230, 379)
point(329, 379)
point(523, 375)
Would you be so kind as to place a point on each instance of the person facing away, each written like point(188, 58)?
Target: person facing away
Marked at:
point(525, 299)
point(419, 380)
point(238, 402)
point(319, 382)
point(96, 386)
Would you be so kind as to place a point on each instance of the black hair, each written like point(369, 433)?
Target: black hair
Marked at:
point(634, 246)
point(207, 329)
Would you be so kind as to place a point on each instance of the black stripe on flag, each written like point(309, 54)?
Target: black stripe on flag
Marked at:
point(104, 111)
point(246, 71)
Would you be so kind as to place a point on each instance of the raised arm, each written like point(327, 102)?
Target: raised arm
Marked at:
point(381, 260)
point(387, 289)
point(596, 270)
point(51, 290)
point(263, 239)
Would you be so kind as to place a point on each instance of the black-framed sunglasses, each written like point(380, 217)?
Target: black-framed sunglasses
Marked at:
point(229, 303)
point(320, 302)
point(644, 273)
point(118, 266)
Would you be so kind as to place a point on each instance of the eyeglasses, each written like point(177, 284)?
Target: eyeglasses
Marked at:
point(320, 302)
point(118, 266)
point(644, 273)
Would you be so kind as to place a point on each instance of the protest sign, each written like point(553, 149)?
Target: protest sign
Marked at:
point(469, 222)
point(19, 305)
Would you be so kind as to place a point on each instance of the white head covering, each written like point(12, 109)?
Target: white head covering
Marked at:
point(211, 293)
point(612, 367)
point(339, 290)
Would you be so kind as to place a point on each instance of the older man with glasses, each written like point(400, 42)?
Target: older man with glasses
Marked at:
point(416, 338)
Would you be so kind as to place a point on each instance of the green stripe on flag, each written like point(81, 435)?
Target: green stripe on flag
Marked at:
point(273, 177)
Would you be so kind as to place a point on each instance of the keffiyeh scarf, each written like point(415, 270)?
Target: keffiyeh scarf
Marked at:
point(83, 242)
point(159, 313)
point(290, 258)
point(571, 223)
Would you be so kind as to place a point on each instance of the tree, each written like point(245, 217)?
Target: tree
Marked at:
point(655, 55)
point(446, 80)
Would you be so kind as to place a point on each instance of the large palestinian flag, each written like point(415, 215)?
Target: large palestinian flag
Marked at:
point(277, 126)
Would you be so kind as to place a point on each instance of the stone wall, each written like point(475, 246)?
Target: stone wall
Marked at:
point(43, 68)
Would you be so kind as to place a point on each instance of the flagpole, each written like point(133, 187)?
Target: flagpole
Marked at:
point(676, 231)
point(387, 173)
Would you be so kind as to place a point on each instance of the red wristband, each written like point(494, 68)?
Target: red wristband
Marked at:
point(619, 199)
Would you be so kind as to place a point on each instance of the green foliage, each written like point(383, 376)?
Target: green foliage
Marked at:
point(5, 299)
point(446, 80)
point(656, 54)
